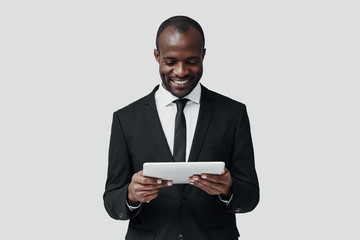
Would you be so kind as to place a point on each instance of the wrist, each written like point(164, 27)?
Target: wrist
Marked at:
point(227, 194)
point(131, 199)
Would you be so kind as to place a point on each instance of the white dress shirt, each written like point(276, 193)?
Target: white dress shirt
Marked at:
point(167, 111)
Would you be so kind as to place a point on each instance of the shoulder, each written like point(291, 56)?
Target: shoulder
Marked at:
point(137, 106)
point(132, 106)
point(220, 100)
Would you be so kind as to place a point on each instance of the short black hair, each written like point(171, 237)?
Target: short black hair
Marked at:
point(181, 24)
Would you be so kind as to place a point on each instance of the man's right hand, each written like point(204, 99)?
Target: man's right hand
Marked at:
point(144, 189)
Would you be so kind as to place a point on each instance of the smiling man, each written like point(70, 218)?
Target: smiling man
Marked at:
point(181, 120)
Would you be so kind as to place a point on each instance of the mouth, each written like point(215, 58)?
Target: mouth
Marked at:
point(180, 82)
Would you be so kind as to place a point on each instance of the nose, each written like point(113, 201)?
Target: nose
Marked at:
point(181, 70)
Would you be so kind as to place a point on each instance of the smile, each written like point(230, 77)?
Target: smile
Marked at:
point(180, 82)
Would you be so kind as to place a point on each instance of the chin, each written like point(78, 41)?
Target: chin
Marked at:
point(180, 95)
point(183, 93)
point(179, 91)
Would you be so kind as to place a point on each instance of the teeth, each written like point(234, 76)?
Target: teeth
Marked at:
point(181, 82)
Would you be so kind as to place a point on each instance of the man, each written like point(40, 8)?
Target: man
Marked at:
point(217, 129)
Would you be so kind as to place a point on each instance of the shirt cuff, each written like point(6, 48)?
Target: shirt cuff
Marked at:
point(227, 202)
point(132, 208)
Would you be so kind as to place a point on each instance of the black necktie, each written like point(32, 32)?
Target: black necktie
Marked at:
point(180, 131)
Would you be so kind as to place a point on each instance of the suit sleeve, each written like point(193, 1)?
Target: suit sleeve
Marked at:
point(119, 174)
point(242, 168)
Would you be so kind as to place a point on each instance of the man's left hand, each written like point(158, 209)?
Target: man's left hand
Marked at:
point(214, 184)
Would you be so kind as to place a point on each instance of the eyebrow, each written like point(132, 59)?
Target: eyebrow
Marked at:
point(189, 58)
point(169, 58)
point(173, 58)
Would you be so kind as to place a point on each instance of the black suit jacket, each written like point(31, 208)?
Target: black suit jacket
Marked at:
point(182, 211)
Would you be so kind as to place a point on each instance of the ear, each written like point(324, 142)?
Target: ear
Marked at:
point(157, 55)
point(203, 54)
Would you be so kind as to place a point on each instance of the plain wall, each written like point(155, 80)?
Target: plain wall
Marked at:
point(66, 66)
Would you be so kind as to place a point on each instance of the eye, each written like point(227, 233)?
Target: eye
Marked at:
point(169, 63)
point(192, 62)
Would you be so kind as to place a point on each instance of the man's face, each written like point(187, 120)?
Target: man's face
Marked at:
point(180, 58)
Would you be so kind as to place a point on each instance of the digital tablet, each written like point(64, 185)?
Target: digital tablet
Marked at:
point(179, 172)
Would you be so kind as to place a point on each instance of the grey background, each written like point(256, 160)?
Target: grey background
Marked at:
point(65, 66)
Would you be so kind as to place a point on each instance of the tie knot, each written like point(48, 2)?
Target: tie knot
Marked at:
point(180, 103)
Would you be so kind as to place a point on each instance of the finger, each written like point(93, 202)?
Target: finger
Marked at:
point(168, 183)
point(140, 191)
point(142, 187)
point(194, 178)
point(150, 197)
point(213, 185)
point(211, 178)
point(224, 171)
point(137, 187)
point(145, 194)
point(141, 196)
point(210, 190)
point(224, 179)
point(139, 178)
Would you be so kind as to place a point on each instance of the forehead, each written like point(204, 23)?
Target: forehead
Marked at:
point(171, 40)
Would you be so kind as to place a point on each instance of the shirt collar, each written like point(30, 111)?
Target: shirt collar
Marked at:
point(166, 98)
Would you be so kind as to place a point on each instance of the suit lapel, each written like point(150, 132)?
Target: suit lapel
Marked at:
point(203, 122)
point(154, 124)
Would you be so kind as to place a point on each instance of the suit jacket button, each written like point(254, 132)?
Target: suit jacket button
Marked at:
point(184, 201)
point(237, 210)
point(121, 214)
point(180, 237)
